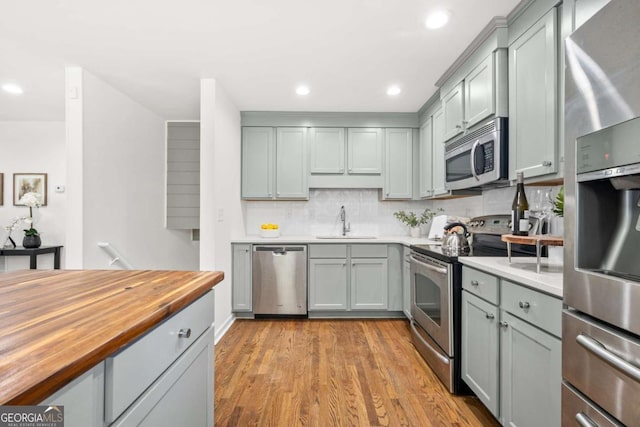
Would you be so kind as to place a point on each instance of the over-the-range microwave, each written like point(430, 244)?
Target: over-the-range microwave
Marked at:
point(479, 157)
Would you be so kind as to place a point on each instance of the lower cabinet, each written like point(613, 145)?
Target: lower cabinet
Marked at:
point(241, 296)
point(511, 351)
point(356, 281)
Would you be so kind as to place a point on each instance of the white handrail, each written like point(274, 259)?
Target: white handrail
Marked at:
point(115, 255)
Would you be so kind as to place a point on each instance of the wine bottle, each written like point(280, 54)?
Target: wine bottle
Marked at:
point(520, 209)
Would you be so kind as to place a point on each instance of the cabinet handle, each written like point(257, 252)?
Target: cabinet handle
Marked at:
point(490, 316)
point(184, 333)
point(546, 163)
point(504, 324)
point(524, 305)
point(584, 421)
point(474, 283)
point(458, 126)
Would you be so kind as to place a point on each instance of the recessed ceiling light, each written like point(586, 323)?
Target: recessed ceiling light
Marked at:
point(437, 19)
point(393, 90)
point(303, 90)
point(12, 88)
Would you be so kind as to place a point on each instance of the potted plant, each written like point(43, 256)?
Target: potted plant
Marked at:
point(31, 235)
point(413, 221)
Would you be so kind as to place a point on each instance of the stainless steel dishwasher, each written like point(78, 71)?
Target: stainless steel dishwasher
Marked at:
point(279, 280)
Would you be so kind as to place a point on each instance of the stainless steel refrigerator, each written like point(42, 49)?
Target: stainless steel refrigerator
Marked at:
point(601, 326)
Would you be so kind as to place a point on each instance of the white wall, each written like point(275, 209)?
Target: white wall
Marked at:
point(123, 183)
point(221, 210)
point(34, 147)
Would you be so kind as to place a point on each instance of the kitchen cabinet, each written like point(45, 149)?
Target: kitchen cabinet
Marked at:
point(352, 278)
point(398, 172)
point(511, 350)
point(365, 150)
point(480, 349)
point(369, 287)
point(274, 163)
point(438, 154)
point(533, 99)
point(328, 285)
point(406, 281)
point(426, 158)
point(241, 298)
point(479, 101)
point(453, 109)
point(183, 176)
point(326, 151)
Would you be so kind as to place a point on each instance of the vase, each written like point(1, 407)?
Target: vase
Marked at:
point(414, 231)
point(31, 242)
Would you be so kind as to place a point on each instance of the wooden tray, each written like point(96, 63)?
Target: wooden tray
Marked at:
point(538, 241)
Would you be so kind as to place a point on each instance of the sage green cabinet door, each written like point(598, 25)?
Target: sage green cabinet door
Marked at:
point(480, 357)
point(365, 150)
point(406, 283)
point(369, 284)
point(531, 375)
point(241, 278)
point(327, 284)
point(479, 93)
point(326, 150)
point(438, 153)
point(258, 159)
point(398, 174)
point(426, 159)
point(452, 105)
point(533, 83)
point(291, 163)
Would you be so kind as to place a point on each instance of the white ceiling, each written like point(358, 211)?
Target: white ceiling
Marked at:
point(347, 51)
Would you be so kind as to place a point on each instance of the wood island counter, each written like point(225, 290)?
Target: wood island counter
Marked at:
point(57, 325)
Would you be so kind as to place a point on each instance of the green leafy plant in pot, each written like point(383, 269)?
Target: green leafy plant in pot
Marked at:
point(31, 235)
point(413, 221)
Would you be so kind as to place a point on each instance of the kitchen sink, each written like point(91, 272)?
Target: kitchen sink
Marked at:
point(332, 236)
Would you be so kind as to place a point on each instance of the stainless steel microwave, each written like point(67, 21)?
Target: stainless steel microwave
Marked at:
point(479, 157)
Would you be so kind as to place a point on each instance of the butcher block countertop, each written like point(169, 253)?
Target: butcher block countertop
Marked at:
point(55, 325)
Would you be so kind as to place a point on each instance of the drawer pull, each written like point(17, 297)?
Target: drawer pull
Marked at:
point(474, 283)
point(504, 324)
point(584, 420)
point(524, 305)
point(601, 351)
point(490, 316)
point(184, 333)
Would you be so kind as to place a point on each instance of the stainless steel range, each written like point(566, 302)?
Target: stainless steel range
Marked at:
point(436, 294)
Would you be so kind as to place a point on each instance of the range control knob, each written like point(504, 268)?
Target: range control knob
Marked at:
point(482, 223)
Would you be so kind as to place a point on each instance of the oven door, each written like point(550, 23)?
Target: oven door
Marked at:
point(431, 299)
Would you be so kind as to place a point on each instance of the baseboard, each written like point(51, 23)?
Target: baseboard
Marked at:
point(224, 328)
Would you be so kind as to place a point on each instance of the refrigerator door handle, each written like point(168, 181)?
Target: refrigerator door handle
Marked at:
point(601, 351)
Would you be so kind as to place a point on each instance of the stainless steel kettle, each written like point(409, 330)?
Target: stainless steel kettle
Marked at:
point(455, 244)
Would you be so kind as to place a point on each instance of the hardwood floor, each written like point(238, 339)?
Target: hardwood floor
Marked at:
point(331, 373)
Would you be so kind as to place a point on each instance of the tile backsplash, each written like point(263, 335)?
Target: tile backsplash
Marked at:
point(367, 214)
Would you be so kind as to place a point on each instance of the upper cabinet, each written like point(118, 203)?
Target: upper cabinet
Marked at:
point(326, 151)
point(426, 158)
point(398, 173)
point(183, 175)
point(438, 171)
point(475, 87)
point(533, 99)
point(365, 151)
point(274, 163)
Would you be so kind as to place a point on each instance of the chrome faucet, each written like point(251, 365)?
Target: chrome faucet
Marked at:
point(343, 217)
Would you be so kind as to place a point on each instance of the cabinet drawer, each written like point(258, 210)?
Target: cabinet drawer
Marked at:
point(131, 372)
point(327, 251)
point(481, 284)
point(541, 310)
point(368, 251)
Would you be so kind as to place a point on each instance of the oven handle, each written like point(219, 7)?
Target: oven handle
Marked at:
point(473, 159)
point(426, 344)
point(584, 420)
point(601, 351)
point(429, 266)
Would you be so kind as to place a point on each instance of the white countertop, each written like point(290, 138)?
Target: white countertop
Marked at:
point(401, 240)
point(521, 270)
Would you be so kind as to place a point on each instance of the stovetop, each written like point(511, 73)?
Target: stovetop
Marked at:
point(486, 232)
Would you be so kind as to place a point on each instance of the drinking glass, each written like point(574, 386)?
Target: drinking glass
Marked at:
point(540, 207)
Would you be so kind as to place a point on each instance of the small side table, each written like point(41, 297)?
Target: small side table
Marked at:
point(537, 240)
point(33, 253)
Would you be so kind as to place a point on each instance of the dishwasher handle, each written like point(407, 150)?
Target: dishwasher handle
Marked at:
point(279, 250)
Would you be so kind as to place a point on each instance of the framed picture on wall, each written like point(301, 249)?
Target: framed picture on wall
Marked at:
point(24, 183)
point(1, 189)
